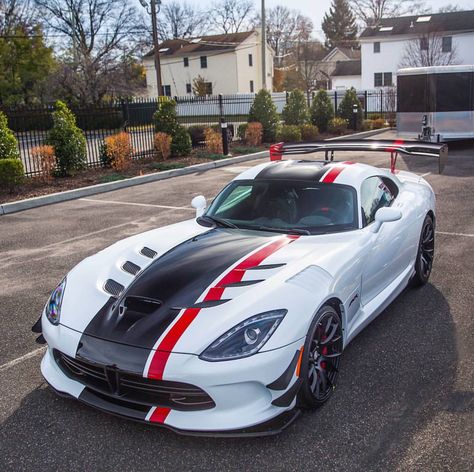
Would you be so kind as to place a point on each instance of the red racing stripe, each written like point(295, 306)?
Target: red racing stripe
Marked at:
point(159, 415)
point(331, 176)
point(163, 351)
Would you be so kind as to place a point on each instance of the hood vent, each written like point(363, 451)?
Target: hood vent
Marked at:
point(242, 283)
point(205, 304)
point(147, 252)
point(131, 268)
point(113, 287)
point(266, 266)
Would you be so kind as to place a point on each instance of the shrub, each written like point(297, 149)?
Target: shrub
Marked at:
point(8, 142)
point(68, 141)
point(163, 146)
point(295, 111)
point(254, 134)
point(166, 118)
point(45, 161)
point(289, 134)
point(241, 131)
point(345, 108)
point(337, 126)
point(12, 173)
point(367, 125)
point(309, 132)
point(321, 111)
point(378, 123)
point(213, 141)
point(263, 111)
point(181, 142)
point(197, 134)
point(118, 150)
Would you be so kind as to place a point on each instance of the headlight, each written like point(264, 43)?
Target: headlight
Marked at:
point(244, 339)
point(53, 307)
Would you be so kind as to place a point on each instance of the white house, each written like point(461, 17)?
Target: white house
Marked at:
point(228, 63)
point(384, 47)
point(346, 75)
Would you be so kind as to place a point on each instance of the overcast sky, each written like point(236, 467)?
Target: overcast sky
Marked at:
point(316, 9)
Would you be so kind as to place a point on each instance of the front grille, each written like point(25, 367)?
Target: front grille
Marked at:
point(125, 386)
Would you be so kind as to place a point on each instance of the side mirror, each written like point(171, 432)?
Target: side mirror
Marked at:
point(199, 203)
point(385, 215)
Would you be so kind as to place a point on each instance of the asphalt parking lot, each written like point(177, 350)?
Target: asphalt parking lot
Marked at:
point(405, 399)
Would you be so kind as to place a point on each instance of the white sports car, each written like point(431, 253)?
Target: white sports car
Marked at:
point(232, 322)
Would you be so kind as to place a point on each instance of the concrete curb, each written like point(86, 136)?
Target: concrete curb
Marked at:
point(21, 205)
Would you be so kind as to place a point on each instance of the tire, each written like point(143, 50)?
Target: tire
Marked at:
point(425, 255)
point(321, 358)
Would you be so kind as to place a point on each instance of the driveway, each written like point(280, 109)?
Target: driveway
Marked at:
point(405, 395)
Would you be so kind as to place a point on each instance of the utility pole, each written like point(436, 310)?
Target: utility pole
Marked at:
point(264, 47)
point(156, 51)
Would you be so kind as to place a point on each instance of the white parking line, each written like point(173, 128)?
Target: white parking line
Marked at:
point(136, 204)
point(455, 234)
point(18, 360)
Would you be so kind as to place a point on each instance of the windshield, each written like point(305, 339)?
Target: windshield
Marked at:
point(282, 205)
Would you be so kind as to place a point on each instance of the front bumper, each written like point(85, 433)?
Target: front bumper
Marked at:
point(239, 389)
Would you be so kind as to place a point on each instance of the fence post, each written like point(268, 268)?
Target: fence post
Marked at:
point(225, 138)
point(335, 102)
point(381, 103)
point(366, 107)
point(287, 95)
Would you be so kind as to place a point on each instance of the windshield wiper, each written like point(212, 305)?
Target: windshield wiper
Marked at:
point(217, 221)
point(284, 230)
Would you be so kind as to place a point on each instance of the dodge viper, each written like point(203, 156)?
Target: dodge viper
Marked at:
point(234, 322)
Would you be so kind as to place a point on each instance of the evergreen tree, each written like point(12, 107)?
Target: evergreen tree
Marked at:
point(295, 111)
point(263, 111)
point(8, 142)
point(346, 109)
point(68, 141)
point(339, 24)
point(321, 111)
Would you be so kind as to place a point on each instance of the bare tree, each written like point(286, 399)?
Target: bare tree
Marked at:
point(286, 29)
point(370, 12)
point(99, 35)
point(427, 50)
point(181, 20)
point(232, 16)
point(309, 65)
point(449, 8)
point(14, 13)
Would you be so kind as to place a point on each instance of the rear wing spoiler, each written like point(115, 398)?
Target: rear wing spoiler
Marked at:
point(407, 148)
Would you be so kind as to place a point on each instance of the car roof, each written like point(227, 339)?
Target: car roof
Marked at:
point(345, 172)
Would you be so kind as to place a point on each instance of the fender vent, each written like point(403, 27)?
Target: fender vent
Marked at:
point(113, 287)
point(131, 268)
point(147, 252)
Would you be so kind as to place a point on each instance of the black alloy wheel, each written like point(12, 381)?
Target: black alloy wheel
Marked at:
point(321, 358)
point(425, 256)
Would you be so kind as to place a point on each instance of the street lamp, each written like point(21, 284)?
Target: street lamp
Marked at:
point(156, 53)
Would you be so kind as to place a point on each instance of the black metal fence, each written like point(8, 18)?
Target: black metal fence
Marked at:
point(31, 124)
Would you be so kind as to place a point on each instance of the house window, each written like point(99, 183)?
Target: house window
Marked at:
point(208, 88)
point(251, 60)
point(383, 79)
point(447, 44)
point(377, 46)
point(166, 90)
point(251, 87)
point(424, 44)
point(378, 79)
point(189, 88)
point(203, 62)
point(186, 61)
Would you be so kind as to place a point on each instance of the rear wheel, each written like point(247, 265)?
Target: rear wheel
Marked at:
point(425, 256)
point(321, 358)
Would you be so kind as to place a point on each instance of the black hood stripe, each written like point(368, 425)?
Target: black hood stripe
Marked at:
point(175, 279)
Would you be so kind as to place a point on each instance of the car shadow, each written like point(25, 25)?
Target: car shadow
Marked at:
point(396, 376)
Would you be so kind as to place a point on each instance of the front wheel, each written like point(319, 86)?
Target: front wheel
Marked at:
point(425, 256)
point(321, 358)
